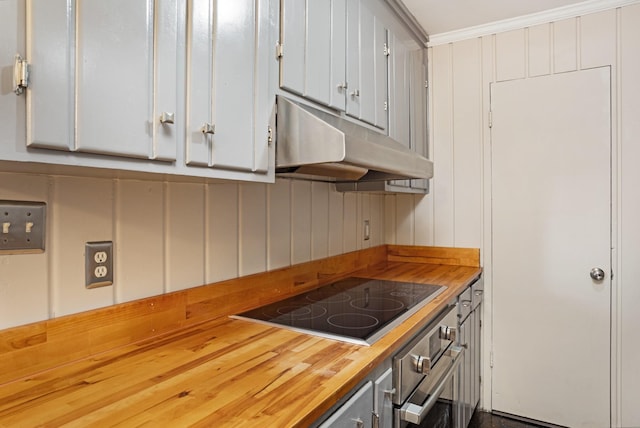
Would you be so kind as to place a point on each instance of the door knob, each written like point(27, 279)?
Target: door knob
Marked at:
point(597, 274)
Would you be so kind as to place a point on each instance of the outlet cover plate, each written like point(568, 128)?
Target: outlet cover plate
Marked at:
point(98, 264)
point(22, 227)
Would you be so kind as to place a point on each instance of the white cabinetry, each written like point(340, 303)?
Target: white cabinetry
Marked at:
point(102, 74)
point(334, 52)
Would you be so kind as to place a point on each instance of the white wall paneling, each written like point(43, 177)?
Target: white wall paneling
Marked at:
point(364, 213)
point(629, 214)
point(279, 251)
point(442, 155)
point(390, 218)
point(598, 39)
point(222, 225)
point(423, 220)
point(185, 213)
point(376, 215)
point(320, 220)
point(510, 55)
point(460, 72)
point(82, 211)
point(349, 231)
point(404, 226)
point(467, 130)
point(539, 45)
point(301, 222)
point(336, 223)
point(170, 236)
point(565, 52)
point(253, 228)
point(139, 238)
point(24, 285)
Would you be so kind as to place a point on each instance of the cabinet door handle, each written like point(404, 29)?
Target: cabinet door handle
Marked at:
point(355, 93)
point(342, 86)
point(208, 128)
point(167, 117)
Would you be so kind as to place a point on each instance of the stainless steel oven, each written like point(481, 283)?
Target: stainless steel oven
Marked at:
point(425, 376)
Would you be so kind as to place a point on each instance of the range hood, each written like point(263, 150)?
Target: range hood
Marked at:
point(319, 146)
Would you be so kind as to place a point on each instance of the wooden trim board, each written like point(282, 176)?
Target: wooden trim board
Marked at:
point(434, 255)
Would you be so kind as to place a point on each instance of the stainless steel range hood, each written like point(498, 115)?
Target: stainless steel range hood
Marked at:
point(315, 145)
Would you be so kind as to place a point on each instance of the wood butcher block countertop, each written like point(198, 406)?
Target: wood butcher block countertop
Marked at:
point(222, 371)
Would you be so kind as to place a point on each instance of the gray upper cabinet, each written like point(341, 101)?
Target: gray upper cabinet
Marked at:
point(104, 74)
point(367, 68)
point(174, 87)
point(228, 104)
point(313, 50)
point(408, 102)
point(334, 53)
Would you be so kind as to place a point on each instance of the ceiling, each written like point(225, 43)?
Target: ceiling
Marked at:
point(442, 16)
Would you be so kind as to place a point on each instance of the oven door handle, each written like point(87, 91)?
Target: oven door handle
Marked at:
point(414, 413)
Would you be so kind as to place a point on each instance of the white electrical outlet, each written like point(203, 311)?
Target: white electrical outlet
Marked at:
point(100, 257)
point(98, 264)
point(100, 272)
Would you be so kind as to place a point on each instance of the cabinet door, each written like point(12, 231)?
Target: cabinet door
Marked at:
point(400, 96)
point(383, 406)
point(102, 75)
point(356, 412)
point(476, 356)
point(418, 108)
point(312, 35)
point(226, 71)
point(366, 65)
point(468, 369)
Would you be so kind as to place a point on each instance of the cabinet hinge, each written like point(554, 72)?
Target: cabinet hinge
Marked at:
point(386, 50)
point(20, 75)
point(279, 50)
point(386, 106)
point(490, 359)
point(426, 83)
point(270, 135)
point(490, 120)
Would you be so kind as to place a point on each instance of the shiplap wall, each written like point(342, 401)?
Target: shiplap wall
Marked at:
point(459, 211)
point(172, 236)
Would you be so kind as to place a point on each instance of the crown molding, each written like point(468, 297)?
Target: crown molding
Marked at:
point(571, 11)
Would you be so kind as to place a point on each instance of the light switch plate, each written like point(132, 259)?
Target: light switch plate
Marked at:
point(22, 227)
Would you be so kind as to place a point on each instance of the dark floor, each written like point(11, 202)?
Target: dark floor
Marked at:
point(487, 420)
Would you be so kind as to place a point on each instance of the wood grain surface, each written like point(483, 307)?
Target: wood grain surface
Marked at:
point(199, 369)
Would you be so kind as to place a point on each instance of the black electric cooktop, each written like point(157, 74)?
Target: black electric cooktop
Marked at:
point(356, 310)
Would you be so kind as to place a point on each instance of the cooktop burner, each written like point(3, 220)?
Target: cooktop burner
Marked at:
point(356, 310)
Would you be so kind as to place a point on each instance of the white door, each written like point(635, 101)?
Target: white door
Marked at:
point(551, 155)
